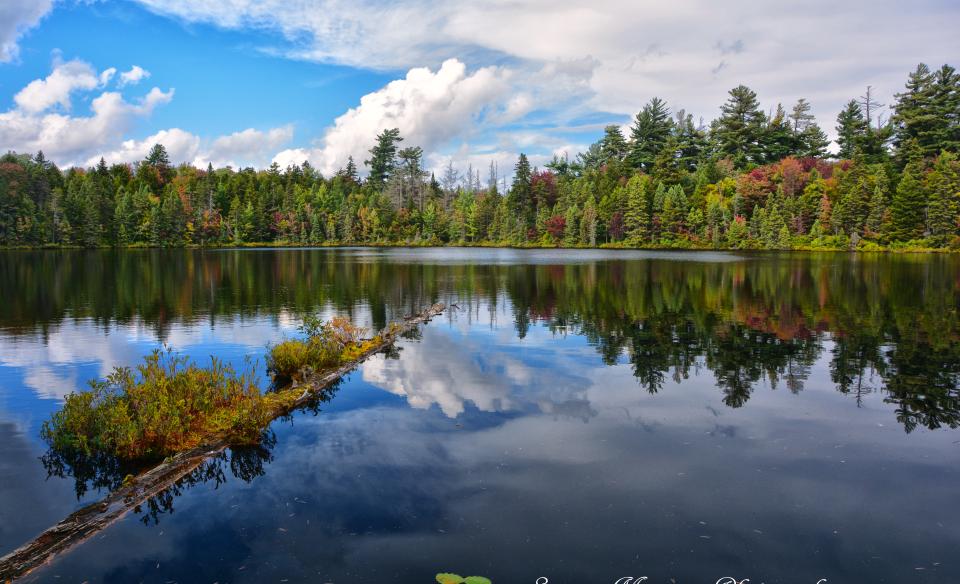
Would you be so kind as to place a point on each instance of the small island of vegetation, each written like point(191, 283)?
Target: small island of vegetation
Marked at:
point(172, 404)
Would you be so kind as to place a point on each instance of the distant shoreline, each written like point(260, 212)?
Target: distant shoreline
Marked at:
point(870, 248)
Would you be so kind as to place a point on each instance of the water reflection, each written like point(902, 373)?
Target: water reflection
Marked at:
point(244, 463)
point(675, 484)
point(579, 415)
point(889, 323)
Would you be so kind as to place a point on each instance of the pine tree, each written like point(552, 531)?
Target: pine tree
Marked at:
point(613, 147)
point(673, 214)
point(639, 203)
point(689, 142)
point(946, 103)
point(916, 117)
point(909, 203)
point(588, 223)
point(813, 142)
point(777, 140)
point(520, 197)
point(383, 157)
point(737, 233)
point(878, 209)
point(158, 160)
point(800, 117)
point(739, 130)
point(943, 184)
point(851, 129)
point(651, 129)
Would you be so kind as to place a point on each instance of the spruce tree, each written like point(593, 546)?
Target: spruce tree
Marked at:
point(777, 140)
point(946, 103)
point(813, 142)
point(613, 146)
point(916, 117)
point(851, 129)
point(943, 184)
point(651, 129)
point(739, 130)
point(638, 217)
point(519, 198)
point(909, 203)
point(383, 157)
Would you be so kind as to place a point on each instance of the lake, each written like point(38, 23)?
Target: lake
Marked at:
point(575, 416)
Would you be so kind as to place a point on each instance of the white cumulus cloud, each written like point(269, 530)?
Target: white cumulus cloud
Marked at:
point(429, 108)
point(16, 18)
point(55, 89)
point(689, 52)
point(41, 119)
point(181, 146)
point(64, 138)
point(135, 75)
point(248, 147)
point(435, 109)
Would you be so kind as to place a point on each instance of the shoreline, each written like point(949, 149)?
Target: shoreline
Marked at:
point(490, 245)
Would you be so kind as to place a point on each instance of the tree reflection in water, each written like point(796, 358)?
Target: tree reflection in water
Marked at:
point(882, 323)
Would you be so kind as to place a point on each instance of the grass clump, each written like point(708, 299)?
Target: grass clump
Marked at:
point(326, 345)
point(169, 405)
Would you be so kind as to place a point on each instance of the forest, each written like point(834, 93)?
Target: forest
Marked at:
point(746, 180)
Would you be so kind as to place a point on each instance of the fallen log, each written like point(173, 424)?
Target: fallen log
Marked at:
point(86, 522)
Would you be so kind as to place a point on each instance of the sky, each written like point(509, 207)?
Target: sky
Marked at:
point(251, 82)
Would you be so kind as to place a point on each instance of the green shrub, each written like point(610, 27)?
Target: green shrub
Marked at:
point(169, 405)
point(327, 345)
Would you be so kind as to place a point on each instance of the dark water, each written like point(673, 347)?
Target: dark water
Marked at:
point(582, 417)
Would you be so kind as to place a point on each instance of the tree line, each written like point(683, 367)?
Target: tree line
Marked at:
point(748, 179)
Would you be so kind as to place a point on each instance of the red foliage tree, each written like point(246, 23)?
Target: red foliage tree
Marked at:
point(556, 226)
point(543, 184)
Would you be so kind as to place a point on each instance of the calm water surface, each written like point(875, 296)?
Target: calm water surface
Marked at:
point(581, 416)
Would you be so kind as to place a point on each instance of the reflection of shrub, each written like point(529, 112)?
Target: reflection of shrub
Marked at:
point(327, 345)
point(169, 405)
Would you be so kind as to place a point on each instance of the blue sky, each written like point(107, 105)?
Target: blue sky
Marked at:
point(253, 81)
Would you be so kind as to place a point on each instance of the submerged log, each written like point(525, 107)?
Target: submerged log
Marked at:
point(86, 522)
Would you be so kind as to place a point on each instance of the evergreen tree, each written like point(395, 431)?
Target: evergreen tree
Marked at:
point(383, 157)
point(946, 103)
point(689, 141)
point(909, 204)
point(943, 184)
point(159, 162)
point(813, 143)
point(520, 197)
point(739, 130)
point(639, 207)
point(851, 129)
point(651, 129)
point(778, 140)
point(673, 213)
point(916, 117)
point(613, 147)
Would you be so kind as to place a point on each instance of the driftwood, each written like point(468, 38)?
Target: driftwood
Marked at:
point(86, 522)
